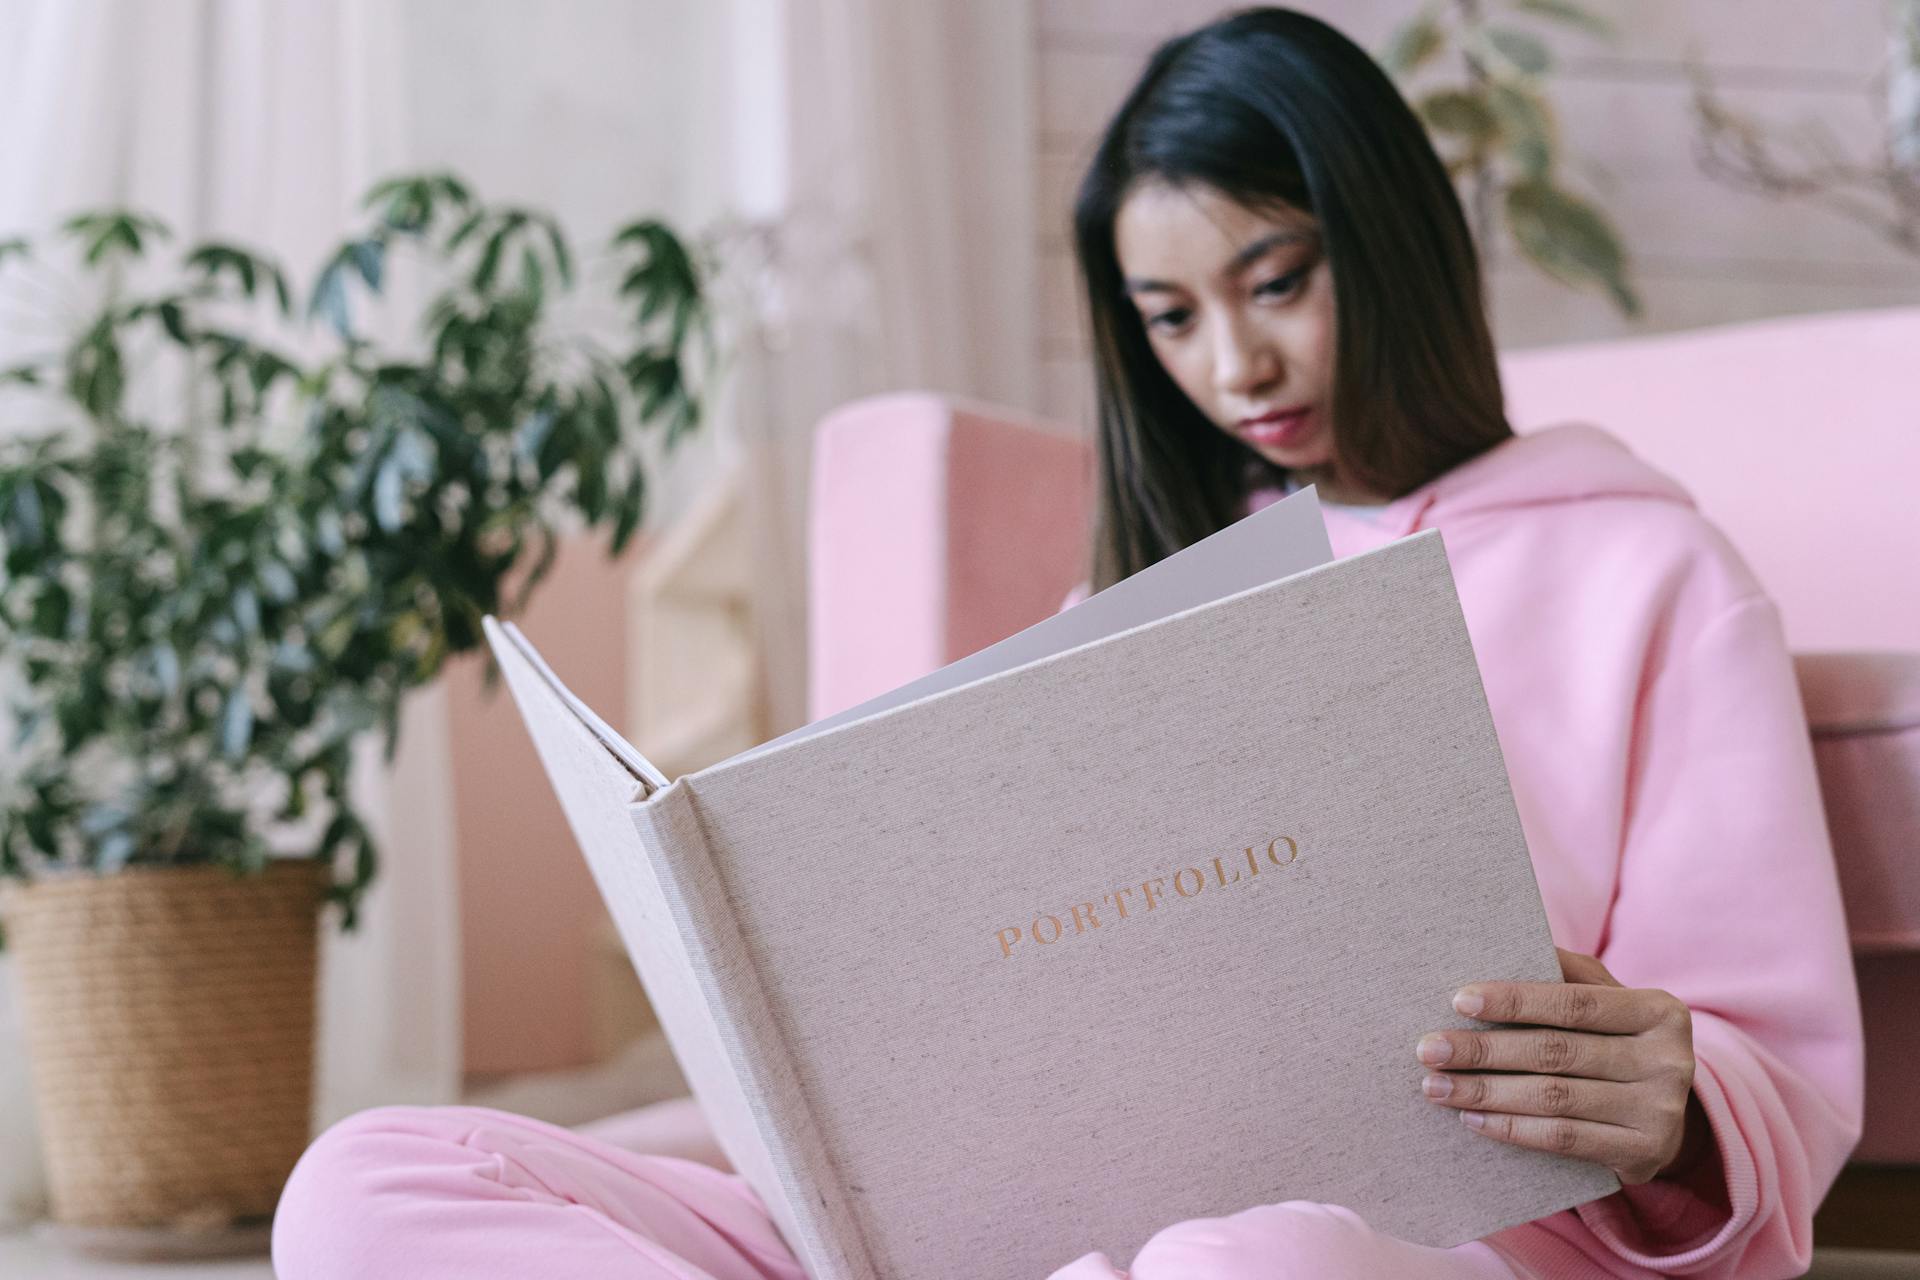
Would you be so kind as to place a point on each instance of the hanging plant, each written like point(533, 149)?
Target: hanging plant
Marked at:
point(1493, 125)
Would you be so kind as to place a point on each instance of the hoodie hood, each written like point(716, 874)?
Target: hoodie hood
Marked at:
point(1576, 462)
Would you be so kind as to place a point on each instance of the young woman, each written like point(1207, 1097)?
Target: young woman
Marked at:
point(1283, 291)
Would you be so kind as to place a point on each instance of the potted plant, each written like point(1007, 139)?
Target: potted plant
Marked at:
point(223, 562)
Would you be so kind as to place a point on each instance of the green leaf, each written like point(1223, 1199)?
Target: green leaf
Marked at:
point(174, 321)
point(1570, 240)
point(369, 259)
point(452, 188)
point(389, 487)
point(278, 582)
point(532, 432)
point(265, 369)
point(114, 232)
point(407, 203)
point(282, 295)
point(165, 661)
point(1459, 113)
point(1412, 46)
point(631, 508)
point(78, 717)
point(533, 281)
point(52, 611)
point(684, 417)
point(653, 376)
point(1525, 126)
point(26, 519)
point(328, 533)
point(668, 266)
point(465, 230)
point(562, 256)
point(591, 491)
point(489, 265)
point(1571, 14)
point(330, 299)
point(246, 610)
point(236, 724)
point(96, 375)
point(1525, 53)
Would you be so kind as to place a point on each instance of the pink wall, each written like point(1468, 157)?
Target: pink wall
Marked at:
point(527, 902)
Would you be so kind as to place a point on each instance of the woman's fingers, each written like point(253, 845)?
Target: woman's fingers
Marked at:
point(1594, 1069)
point(1577, 1006)
point(1551, 1096)
point(1540, 1050)
point(1607, 1144)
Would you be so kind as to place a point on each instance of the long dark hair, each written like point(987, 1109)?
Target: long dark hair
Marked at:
point(1272, 107)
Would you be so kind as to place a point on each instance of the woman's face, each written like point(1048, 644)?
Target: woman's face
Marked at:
point(1238, 305)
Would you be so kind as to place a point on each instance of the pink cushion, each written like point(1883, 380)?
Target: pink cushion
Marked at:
point(937, 528)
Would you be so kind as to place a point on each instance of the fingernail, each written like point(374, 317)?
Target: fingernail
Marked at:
point(1433, 1050)
point(1469, 1003)
point(1472, 1119)
point(1437, 1086)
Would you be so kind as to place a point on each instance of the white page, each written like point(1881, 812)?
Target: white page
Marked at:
point(638, 765)
point(1278, 541)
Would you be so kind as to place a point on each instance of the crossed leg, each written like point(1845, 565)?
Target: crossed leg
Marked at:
point(429, 1193)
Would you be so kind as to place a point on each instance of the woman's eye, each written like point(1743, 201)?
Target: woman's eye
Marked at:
point(1280, 286)
point(1169, 321)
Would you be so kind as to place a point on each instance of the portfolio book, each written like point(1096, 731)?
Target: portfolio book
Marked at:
point(1132, 918)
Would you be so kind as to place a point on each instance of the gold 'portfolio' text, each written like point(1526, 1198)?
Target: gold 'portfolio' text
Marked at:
point(1145, 896)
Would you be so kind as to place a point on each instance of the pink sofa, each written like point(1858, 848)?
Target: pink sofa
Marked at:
point(939, 527)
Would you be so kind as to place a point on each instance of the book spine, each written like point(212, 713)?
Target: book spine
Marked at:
point(765, 1124)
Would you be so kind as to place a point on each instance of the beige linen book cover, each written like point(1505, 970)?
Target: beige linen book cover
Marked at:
point(1134, 932)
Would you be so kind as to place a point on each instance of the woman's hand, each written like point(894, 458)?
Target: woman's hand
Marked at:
point(1599, 1071)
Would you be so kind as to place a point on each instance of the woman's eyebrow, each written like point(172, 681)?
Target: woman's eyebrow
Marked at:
point(1259, 248)
point(1242, 257)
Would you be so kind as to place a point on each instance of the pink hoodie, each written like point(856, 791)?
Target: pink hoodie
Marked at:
point(1653, 731)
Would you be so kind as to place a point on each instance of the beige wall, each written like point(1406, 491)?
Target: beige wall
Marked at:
point(1703, 252)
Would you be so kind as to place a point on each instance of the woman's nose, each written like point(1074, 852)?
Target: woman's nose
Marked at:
point(1242, 359)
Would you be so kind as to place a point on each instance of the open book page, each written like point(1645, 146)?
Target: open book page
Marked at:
point(638, 765)
point(1278, 541)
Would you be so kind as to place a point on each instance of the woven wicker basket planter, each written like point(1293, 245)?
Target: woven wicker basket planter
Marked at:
point(169, 1015)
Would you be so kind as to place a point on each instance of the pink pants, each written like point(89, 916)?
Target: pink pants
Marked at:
point(431, 1192)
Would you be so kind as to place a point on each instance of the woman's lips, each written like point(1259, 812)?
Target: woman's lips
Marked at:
point(1276, 429)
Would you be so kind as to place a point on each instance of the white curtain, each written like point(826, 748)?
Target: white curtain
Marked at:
point(891, 150)
point(262, 122)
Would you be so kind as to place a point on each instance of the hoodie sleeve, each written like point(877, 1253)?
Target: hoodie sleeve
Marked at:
point(1727, 898)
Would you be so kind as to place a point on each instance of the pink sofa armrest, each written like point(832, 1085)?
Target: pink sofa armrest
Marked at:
point(937, 528)
point(1864, 713)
